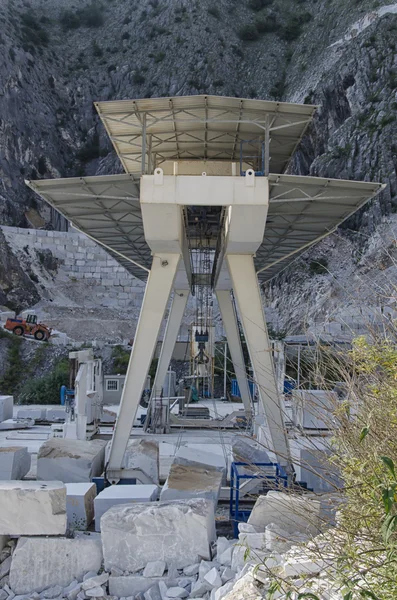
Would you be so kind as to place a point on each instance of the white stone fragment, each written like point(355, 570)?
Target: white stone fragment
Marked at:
point(227, 574)
point(223, 590)
point(5, 567)
point(143, 455)
point(204, 568)
point(213, 578)
point(154, 568)
point(192, 481)
point(95, 592)
point(163, 589)
point(14, 462)
point(90, 575)
point(52, 592)
point(245, 588)
point(303, 567)
point(246, 528)
point(153, 593)
point(291, 512)
point(80, 504)
point(177, 592)
point(253, 541)
point(199, 589)
point(32, 508)
point(278, 540)
point(222, 544)
point(6, 408)
point(226, 557)
point(41, 562)
point(191, 570)
point(178, 532)
point(122, 494)
point(72, 586)
point(70, 461)
point(131, 585)
point(96, 581)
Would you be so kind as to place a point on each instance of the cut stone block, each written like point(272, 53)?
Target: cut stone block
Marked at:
point(14, 462)
point(70, 461)
point(38, 414)
point(178, 532)
point(248, 451)
point(213, 578)
point(6, 407)
point(80, 504)
point(39, 563)
point(192, 481)
point(143, 455)
point(290, 512)
point(187, 456)
point(32, 508)
point(58, 413)
point(122, 494)
point(131, 585)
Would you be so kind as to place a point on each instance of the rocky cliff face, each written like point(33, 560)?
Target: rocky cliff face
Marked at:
point(60, 57)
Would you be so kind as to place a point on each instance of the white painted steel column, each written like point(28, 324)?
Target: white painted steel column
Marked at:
point(171, 333)
point(247, 292)
point(157, 292)
point(229, 320)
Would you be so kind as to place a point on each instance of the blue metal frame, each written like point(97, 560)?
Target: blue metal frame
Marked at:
point(101, 483)
point(260, 173)
point(279, 478)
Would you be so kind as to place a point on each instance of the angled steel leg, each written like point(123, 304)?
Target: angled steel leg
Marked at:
point(229, 320)
point(247, 292)
point(155, 300)
point(171, 333)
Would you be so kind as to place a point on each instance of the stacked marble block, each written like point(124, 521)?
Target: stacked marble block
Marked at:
point(14, 462)
point(195, 474)
point(6, 408)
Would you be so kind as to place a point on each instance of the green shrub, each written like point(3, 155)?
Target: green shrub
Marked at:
point(32, 31)
point(120, 358)
point(138, 78)
point(248, 33)
point(214, 12)
point(258, 5)
point(12, 376)
point(267, 25)
point(45, 390)
point(69, 20)
point(319, 266)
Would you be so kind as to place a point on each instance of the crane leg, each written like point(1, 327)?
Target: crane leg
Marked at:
point(158, 289)
point(247, 292)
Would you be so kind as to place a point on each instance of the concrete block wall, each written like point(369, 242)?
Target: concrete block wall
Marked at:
point(82, 259)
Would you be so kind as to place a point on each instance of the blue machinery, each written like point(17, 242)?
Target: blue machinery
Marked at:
point(276, 477)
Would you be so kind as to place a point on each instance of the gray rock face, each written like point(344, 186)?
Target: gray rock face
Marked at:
point(177, 532)
point(49, 129)
point(39, 563)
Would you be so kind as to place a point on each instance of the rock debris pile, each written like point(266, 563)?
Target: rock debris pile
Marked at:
point(162, 551)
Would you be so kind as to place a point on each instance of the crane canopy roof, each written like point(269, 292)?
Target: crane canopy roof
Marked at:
point(201, 127)
point(302, 211)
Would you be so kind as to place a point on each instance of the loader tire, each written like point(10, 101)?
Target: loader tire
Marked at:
point(18, 330)
point(39, 335)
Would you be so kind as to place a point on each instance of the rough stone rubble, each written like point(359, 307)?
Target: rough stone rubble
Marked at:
point(160, 550)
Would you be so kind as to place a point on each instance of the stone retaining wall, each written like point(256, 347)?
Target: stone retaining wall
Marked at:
point(81, 259)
